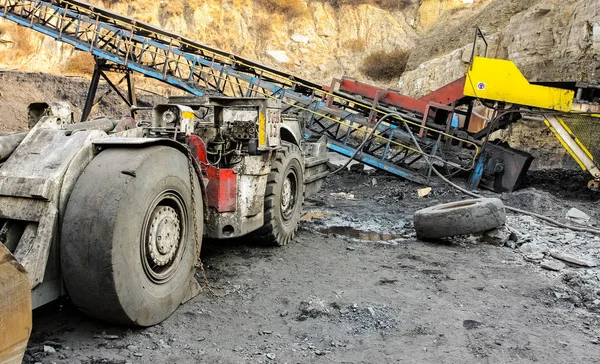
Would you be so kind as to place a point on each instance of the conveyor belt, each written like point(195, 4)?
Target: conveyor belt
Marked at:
point(199, 69)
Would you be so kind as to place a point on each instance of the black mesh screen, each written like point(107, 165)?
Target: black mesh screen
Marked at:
point(587, 129)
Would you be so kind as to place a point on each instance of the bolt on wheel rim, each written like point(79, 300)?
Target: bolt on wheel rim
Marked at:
point(163, 235)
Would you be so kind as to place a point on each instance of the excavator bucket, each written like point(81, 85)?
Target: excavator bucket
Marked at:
point(15, 308)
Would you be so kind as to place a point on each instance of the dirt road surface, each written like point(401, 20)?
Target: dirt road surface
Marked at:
point(336, 295)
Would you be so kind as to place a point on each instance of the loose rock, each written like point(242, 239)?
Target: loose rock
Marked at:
point(371, 311)
point(314, 308)
point(553, 265)
point(578, 216)
point(471, 324)
point(499, 236)
point(531, 248)
point(357, 167)
point(534, 257)
point(423, 192)
point(573, 259)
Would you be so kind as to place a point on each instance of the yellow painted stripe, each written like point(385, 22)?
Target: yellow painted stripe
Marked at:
point(581, 165)
point(261, 130)
point(187, 115)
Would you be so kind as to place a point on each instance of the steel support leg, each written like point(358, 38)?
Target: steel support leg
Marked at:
point(91, 95)
point(131, 92)
point(100, 71)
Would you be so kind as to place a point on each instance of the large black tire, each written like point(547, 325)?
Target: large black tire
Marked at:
point(284, 197)
point(459, 218)
point(127, 242)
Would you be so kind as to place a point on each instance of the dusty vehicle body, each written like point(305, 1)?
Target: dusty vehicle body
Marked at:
point(76, 198)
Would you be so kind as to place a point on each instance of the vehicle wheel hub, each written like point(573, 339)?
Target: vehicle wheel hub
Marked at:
point(288, 195)
point(163, 235)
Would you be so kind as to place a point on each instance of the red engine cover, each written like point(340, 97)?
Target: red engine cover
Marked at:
point(221, 190)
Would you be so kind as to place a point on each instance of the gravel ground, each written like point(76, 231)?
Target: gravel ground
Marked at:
point(356, 286)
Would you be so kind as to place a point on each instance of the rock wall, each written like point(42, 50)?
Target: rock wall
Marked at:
point(555, 40)
point(433, 13)
point(317, 40)
point(552, 40)
point(548, 39)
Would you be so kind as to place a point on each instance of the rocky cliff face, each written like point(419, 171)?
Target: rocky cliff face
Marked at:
point(551, 40)
point(315, 39)
point(548, 39)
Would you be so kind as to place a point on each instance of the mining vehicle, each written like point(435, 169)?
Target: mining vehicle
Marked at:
point(87, 207)
point(112, 213)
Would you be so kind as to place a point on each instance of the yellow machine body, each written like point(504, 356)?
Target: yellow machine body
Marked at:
point(500, 80)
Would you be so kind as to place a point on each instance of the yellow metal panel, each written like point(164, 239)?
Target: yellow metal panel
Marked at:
point(261, 130)
point(187, 115)
point(500, 80)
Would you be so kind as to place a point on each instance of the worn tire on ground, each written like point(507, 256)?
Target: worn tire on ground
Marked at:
point(127, 247)
point(283, 200)
point(459, 218)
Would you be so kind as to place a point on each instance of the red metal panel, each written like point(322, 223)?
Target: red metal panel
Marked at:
point(198, 148)
point(386, 96)
point(327, 97)
point(221, 190)
point(447, 94)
